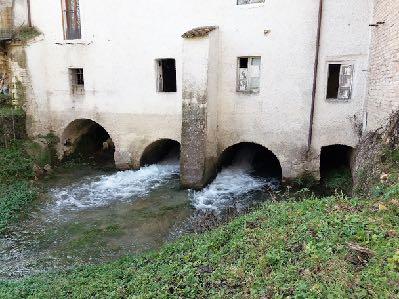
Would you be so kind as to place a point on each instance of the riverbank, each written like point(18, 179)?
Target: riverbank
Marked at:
point(316, 248)
point(16, 188)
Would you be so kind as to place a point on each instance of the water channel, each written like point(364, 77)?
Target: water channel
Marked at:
point(91, 216)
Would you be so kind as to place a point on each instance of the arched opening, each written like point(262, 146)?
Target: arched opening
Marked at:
point(161, 150)
point(86, 140)
point(261, 161)
point(336, 166)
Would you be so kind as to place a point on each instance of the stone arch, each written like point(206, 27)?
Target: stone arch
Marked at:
point(335, 157)
point(262, 160)
point(160, 150)
point(87, 139)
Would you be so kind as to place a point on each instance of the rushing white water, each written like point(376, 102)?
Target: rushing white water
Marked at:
point(103, 190)
point(103, 217)
point(231, 184)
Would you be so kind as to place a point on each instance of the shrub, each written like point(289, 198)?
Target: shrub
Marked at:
point(15, 164)
point(13, 199)
point(339, 180)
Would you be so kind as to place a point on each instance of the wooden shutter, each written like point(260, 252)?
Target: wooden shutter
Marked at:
point(254, 73)
point(159, 76)
point(345, 82)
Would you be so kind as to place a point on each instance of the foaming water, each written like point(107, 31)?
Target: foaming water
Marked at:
point(96, 217)
point(103, 190)
point(232, 184)
point(100, 217)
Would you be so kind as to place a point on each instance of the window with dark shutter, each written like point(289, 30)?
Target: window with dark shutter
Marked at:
point(339, 82)
point(166, 75)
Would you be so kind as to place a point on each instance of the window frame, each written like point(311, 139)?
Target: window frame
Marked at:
point(250, 4)
point(249, 90)
point(341, 87)
point(66, 28)
point(159, 75)
point(76, 88)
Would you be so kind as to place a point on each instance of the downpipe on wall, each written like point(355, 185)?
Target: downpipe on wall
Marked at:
point(315, 74)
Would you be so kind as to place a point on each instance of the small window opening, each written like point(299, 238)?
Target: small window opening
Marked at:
point(244, 2)
point(243, 63)
point(166, 75)
point(339, 83)
point(72, 27)
point(248, 79)
point(77, 81)
point(333, 81)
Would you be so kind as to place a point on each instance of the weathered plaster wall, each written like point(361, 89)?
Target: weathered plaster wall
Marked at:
point(345, 39)
point(121, 41)
point(5, 14)
point(383, 93)
point(277, 117)
point(20, 13)
point(199, 114)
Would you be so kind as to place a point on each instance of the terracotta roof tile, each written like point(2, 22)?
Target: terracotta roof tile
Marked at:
point(199, 32)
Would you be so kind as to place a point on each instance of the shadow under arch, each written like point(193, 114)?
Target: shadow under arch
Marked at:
point(160, 150)
point(335, 157)
point(256, 157)
point(85, 139)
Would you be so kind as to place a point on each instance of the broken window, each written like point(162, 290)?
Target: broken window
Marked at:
point(249, 74)
point(339, 84)
point(77, 81)
point(166, 75)
point(243, 2)
point(72, 29)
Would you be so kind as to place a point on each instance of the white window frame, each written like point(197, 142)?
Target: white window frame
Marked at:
point(258, 2)
point(346, 81)
point(249, 75)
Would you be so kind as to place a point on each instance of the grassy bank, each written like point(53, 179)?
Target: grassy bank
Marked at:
point(16, 190)
point(317, 248)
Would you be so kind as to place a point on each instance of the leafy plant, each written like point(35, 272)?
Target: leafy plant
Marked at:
point(339, 180)
point(26, 33)
point(15, 164)
point(16, 192)
point(306, 180)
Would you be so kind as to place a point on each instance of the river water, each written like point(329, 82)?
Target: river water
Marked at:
point(91, 216)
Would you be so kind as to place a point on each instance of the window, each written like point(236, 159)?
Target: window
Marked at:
point(244, 2)
point(71, 20)
point(77, 81)
point(248, 79)
point(339, 83)
point(166, 75)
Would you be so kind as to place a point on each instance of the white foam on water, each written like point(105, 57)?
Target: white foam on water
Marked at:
point(231, 183)
point(103, 190)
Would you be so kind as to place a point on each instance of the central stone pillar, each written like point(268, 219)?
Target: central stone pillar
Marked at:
point(199, 119)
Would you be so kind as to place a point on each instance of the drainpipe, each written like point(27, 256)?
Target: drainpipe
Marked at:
point(29, 14)
point(316, 68)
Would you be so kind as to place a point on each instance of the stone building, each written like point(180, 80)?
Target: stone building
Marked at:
point(297, 78)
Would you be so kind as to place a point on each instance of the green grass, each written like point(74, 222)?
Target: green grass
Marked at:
point(16, 190)
point(26, 33)
point(284, 249)
point(8, 111)
point(338, 180)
